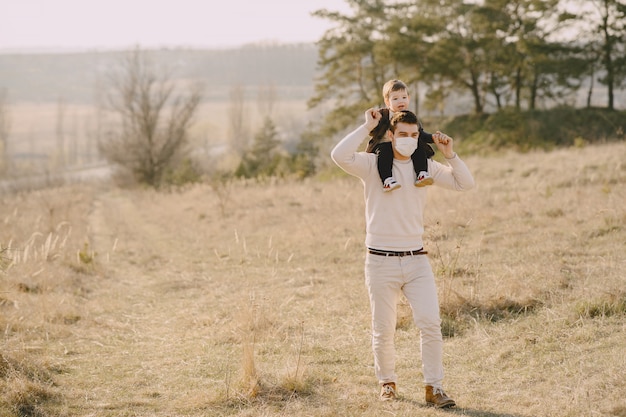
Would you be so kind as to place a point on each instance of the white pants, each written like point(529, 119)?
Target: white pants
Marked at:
point(387, 277)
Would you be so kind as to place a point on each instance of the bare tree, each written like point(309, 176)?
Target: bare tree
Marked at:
point(95, 132)
point(5, 127)
point(611, 14)
point(236, 118)
point(150, 140)
point(60, 134)
point(266, 99)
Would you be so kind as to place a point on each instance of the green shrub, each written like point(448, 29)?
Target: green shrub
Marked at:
point(537, 129)
point(184, 173)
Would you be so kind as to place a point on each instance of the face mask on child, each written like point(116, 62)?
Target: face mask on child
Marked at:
point(406, 145)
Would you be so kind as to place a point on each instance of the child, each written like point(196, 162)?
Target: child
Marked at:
point(396, 97)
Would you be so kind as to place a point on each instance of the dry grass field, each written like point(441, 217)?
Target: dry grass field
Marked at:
point(248, 299)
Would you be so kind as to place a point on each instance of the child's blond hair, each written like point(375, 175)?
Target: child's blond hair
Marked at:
point(393, 85)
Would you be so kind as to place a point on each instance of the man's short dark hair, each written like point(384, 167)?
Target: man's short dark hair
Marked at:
point(404, 116)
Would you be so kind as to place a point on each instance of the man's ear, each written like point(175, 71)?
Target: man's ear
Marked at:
point(389, 134)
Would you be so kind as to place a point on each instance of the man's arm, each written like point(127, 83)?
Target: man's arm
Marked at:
point(456, 175)
point(345, 154)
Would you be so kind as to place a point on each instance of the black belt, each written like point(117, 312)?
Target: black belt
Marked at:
point(394, 253)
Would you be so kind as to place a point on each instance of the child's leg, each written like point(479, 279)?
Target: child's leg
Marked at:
point(423, 142)
point(425, 136)
point(420, 163)
point(384, 151)
point(420, 160)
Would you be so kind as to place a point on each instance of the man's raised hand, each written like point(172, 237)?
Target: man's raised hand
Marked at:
point(372, 118)
point(444, 144)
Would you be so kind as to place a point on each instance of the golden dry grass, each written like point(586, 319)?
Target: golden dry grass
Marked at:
point(251, 303)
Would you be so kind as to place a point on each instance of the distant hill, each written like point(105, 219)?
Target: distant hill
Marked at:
point(44, 77)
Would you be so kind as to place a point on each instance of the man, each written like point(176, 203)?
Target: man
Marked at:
point(395, 260)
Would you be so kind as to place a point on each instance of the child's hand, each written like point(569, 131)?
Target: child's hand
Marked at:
point(372, 118)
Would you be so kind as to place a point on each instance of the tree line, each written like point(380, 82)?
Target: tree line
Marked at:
point(519, 54)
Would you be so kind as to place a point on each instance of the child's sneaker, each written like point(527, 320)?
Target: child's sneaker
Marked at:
point(390, 184)
point(423, 179)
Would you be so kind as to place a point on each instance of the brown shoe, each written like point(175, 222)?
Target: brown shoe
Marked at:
point(388, 391)
point(437, 398)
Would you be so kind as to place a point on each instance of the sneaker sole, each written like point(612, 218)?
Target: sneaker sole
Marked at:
point(424, 183)
point(388, 190)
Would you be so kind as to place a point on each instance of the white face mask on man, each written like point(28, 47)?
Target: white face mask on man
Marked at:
point(406, 145)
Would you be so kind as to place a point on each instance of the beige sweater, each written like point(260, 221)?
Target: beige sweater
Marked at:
point(395, 220)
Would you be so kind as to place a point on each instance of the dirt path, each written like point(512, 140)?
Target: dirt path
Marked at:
point(139, 337)
point(179, 284)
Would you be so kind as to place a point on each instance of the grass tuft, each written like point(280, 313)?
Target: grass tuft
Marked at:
point(5, 260)
point(25, 389)
point(611, 304)
point(457, 316)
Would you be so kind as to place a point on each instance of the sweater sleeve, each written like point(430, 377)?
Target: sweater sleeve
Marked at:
point(345, 154)
point(454, 176)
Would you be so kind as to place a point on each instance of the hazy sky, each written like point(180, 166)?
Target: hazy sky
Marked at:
point(106, 24)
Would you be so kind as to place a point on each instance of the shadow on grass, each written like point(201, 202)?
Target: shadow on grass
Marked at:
point(462, 411)
point(276, 397)
point(478, 413)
